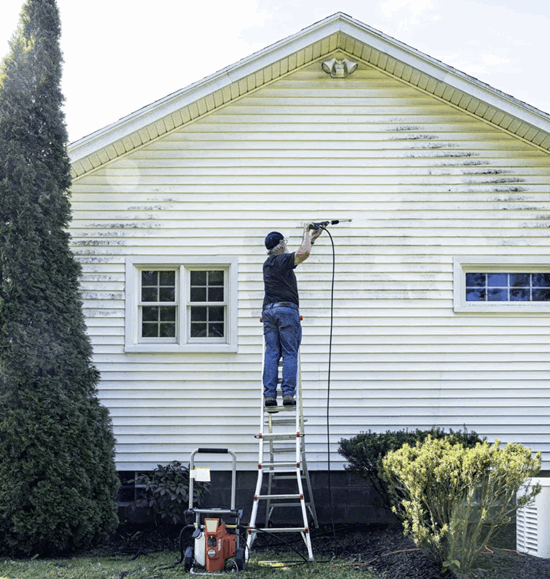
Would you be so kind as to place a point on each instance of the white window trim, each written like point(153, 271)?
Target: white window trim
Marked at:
point(133, 267)
point(464, 265)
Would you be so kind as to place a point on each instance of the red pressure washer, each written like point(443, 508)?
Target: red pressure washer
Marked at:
point(216, 544)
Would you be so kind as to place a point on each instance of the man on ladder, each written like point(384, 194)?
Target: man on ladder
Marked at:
point(280, 316)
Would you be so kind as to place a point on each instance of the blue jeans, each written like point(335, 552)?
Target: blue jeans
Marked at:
point(283, 335)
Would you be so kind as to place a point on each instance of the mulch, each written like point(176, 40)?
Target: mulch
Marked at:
point(382, 550)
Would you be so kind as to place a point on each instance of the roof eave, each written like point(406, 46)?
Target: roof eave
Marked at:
point(175, 101)
point(339, 22)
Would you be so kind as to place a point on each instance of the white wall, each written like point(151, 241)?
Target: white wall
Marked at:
point(423, 182)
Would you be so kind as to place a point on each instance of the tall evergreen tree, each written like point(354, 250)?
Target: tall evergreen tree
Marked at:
point(57, 477)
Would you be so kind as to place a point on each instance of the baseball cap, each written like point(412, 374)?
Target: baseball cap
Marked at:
point(272, 239)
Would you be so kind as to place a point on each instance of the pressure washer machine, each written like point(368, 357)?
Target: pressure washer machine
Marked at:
point(216, 544)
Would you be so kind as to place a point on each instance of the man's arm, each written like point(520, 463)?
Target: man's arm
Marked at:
point(305, 249)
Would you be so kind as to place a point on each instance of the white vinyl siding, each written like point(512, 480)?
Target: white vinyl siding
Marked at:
point(423, 182)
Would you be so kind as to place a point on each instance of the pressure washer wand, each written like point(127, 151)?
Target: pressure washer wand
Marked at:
point(323, 224)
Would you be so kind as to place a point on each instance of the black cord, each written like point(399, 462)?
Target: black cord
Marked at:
point(328, 388)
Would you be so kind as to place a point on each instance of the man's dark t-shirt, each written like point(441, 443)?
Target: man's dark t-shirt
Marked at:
point(279, 279)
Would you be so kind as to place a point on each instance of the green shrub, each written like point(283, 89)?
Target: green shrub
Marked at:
point(453, 499)
point(365, 452)
point(167, 492)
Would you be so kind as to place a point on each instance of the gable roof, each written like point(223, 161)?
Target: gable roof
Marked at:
point(340, 33)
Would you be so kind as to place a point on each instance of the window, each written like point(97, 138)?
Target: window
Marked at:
point(512, 285)
point(179, 307)
point(206, 309)
point(158, 307)
point(507, 287)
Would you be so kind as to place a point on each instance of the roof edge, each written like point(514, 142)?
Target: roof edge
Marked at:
point(449, 75)
point(220, 79)
point(338, 22)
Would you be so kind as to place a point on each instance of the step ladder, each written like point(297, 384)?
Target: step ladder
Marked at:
point(282, 446)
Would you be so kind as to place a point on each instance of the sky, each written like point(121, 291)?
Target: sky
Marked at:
point(122, 55)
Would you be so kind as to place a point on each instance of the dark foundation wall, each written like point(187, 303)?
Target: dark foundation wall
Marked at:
point(349, 497)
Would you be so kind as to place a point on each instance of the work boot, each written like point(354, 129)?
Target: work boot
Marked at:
point(288, 400)
point(269, 402)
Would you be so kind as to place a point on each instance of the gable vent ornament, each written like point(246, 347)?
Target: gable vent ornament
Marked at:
point(339, 68)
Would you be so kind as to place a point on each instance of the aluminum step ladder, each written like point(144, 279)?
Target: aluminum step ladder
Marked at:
point(282, 446)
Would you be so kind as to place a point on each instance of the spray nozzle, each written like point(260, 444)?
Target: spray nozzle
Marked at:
point(322, 224)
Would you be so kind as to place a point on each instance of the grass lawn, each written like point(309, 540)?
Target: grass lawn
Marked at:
point(161, 566)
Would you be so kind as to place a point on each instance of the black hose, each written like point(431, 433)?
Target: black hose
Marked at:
point(182, 554)
point(328, 389)
point(287, 543)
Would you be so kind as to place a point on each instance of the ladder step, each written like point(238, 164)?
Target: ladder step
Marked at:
point(281, 530)
point(279, 436)
point(278, 475)
point(274, 505)
point(275, 497)
point(276, 409)
point(281, 464)
point(282, 422)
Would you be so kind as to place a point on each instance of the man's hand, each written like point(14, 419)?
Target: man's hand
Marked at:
point(317, 233)
point(305, 249)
